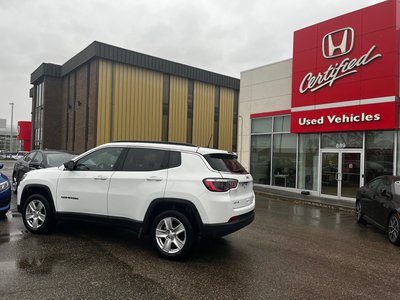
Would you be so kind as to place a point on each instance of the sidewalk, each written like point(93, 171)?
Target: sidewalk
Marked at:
point(296, 197)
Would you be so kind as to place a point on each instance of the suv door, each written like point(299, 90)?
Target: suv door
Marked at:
point(142, 178)
point(84, 189)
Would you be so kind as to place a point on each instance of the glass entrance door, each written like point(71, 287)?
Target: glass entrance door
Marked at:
point(330, 173)
point(340, 173)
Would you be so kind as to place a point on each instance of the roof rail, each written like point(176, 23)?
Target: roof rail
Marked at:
point(155, 142)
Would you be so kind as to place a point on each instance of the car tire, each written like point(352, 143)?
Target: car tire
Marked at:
point(172, 235)
point(394, 229)
point(37, 214)
point(359, 213)
point(15, 183)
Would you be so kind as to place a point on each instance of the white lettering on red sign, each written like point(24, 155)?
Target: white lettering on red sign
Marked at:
point(346, 67)
point(335, 119)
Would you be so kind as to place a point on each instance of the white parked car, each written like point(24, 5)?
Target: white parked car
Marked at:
point(172, 192)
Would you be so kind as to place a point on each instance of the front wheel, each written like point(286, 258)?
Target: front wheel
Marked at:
point(172, 234)
point(359, 213)
point(37, 214)
point(394, 229)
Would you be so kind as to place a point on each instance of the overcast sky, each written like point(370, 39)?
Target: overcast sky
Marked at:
point(223, 36)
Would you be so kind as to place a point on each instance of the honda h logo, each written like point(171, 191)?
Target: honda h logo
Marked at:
point(338, 43)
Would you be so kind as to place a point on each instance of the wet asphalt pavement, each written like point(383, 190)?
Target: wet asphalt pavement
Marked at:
point(289, 252)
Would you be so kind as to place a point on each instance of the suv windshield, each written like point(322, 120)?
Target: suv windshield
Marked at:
point(225, 163)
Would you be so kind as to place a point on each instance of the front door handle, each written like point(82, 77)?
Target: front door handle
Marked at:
point(154, 178)
point(100, 177)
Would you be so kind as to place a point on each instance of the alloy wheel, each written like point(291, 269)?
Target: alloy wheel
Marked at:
point(35, 214)
point(14, 184)
point(359, 213)
point(393, 228)
point(358, 210)
point(170, 235)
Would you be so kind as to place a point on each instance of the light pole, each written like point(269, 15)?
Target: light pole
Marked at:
point(11, 130)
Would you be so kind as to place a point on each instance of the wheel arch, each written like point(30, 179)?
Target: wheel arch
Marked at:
point(37, 189)
point(394, 211)
point(162, 204)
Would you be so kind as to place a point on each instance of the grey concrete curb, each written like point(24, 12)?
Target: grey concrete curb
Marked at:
point(305, 202)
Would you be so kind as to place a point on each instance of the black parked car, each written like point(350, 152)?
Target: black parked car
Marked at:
point(378, 203)
point(38, 159)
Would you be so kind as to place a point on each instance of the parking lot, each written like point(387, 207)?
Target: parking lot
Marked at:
point(289, 251)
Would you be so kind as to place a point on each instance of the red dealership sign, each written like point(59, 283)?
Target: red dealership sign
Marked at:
point(346, 72)
point(24, 134)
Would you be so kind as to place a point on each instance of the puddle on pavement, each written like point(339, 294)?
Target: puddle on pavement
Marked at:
point(11, 236)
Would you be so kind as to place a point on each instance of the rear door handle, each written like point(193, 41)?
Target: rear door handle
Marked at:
point(154, 178)
point(100, 177)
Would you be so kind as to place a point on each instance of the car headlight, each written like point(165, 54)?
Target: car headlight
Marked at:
point(4, 185)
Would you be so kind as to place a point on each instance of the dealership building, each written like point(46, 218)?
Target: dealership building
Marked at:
point(106, 93)
point(326, 121)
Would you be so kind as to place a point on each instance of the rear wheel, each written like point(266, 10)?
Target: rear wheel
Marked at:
point(394, 229)
point(359, 213)
point(172, 234)
point(37, 214)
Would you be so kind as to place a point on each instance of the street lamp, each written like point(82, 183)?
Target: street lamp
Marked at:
point(11, 130)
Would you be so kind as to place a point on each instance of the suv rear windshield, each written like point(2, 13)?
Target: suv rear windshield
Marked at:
point(225, 163)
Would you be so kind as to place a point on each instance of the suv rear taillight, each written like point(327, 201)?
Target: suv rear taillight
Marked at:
point(220, 184)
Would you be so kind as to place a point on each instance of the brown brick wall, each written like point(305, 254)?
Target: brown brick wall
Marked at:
point(52, 113)
point(80, 105)
point(64, 113)
point(92, 107)
point(71, 112)
point(79, 102)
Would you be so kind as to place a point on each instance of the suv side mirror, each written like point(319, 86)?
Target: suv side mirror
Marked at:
point(69, 165)
point(1, 166)
point(35, 165)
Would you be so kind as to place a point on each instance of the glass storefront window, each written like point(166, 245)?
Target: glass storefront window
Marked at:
point(308, 161)
point(379, 148)
point(260, 164)
point(282, 124)
point(38, 116)
point(284, 160)
point(262, 125)
point(342, 140)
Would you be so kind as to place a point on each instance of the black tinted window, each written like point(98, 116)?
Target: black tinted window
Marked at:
point(174, 159)
point(38, 158)
point(139, 159)
point(57, 159)
point(225, 163)
point(29, 157)
point(374, 184)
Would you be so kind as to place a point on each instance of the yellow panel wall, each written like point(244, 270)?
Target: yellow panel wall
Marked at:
point(203, 114)
point(130, 103)
point(178, 106)
point(226, 119)
point(104, 102)
point(137, 113)
point(130, 107)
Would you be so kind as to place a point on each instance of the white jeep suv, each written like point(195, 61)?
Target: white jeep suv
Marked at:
point(172, 192)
